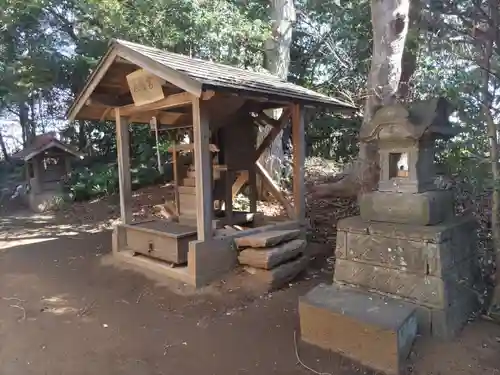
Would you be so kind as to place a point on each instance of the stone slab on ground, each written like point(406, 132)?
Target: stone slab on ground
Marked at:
point(378, 332)
point(267, 239)
point(281, 275)
point(270, 257)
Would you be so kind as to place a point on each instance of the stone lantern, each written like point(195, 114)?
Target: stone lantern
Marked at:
point(406, 140)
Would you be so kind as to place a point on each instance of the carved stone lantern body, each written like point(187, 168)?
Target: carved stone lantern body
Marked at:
point(406, 139)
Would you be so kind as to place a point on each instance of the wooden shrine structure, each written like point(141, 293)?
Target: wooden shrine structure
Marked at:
point(47, 162)
point(222, 104)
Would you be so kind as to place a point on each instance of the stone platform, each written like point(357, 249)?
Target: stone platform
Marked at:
point(433, 267)
point(375, 330)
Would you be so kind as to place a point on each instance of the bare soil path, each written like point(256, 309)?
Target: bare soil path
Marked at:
point(65, 308)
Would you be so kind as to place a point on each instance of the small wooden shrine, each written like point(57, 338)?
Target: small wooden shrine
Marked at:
point(48, 162)
point(223, 106)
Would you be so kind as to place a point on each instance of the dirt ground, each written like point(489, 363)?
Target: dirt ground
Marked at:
point(67, 308)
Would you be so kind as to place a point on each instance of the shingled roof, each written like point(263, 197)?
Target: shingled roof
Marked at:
point(42, 143)
point(195, 76)
point(214, 75)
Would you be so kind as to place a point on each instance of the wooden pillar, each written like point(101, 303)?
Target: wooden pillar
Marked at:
point(228, 196)
point(123, 156)
point(252, 184)
point(203, 167)
point(36, 181)
point(299, 155)
point(67, 163)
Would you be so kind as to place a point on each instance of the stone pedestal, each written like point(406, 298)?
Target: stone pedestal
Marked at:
point(432, 267)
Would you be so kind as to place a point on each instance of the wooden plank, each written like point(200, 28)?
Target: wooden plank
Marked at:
point(274, 189)
point(123, 156)
point(190, 147)
point(203, 167)
point(299, 156)
point(171, 101)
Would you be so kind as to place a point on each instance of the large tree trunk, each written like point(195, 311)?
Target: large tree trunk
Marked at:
point(277, 61)
point(3, 148)
point(390, 19)
point(486, 50)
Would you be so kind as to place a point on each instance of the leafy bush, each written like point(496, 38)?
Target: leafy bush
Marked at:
point(102, 179)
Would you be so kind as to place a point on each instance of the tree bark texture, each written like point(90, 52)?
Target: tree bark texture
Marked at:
point(277, 61)
point(3, 148)
point(390, 20)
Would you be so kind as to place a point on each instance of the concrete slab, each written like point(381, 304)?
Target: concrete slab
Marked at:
point(376, 331)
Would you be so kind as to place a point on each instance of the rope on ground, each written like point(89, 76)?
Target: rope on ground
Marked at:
point(300, 361)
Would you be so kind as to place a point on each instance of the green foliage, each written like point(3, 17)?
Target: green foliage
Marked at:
point(102, 179)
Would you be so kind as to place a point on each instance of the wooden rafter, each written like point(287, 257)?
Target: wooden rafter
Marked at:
point(171, 101)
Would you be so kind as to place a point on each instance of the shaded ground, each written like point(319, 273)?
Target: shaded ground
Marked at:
point(65, 309)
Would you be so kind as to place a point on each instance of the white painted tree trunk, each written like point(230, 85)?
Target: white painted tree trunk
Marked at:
point(277, 61)
point(390, 19)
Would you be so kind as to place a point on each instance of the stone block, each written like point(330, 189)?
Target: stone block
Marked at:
point(430, 250)
point(406, 255)
point(426, 290)
point(376, 331)
point(210, 260)
point(270, 257)
point(267, 239)
point(434, 234)
point(281, 275)
point(428, 208)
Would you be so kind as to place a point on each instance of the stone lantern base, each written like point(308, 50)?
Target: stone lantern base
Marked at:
point(432, 267)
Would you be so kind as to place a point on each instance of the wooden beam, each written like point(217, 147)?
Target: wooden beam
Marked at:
point(123, 156)
point(171, 101)
point(266, 142)
point(97, 75)
point(299, 156)
point(240, 181)
point(203, 167)
point(274, 189)
point(271, 136)
point(165, 118)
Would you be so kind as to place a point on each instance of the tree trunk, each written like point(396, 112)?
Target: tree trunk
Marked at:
point(277, 61)
point(25, 123)
point(486, 52)
point(3, 148)
point(390, 19)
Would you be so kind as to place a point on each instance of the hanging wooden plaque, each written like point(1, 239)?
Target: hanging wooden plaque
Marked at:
point(144, 87)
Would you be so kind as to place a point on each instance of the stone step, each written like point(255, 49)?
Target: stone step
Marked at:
point(270, 257)
point(373, 330)
point(267, 239)
point(279, 276)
